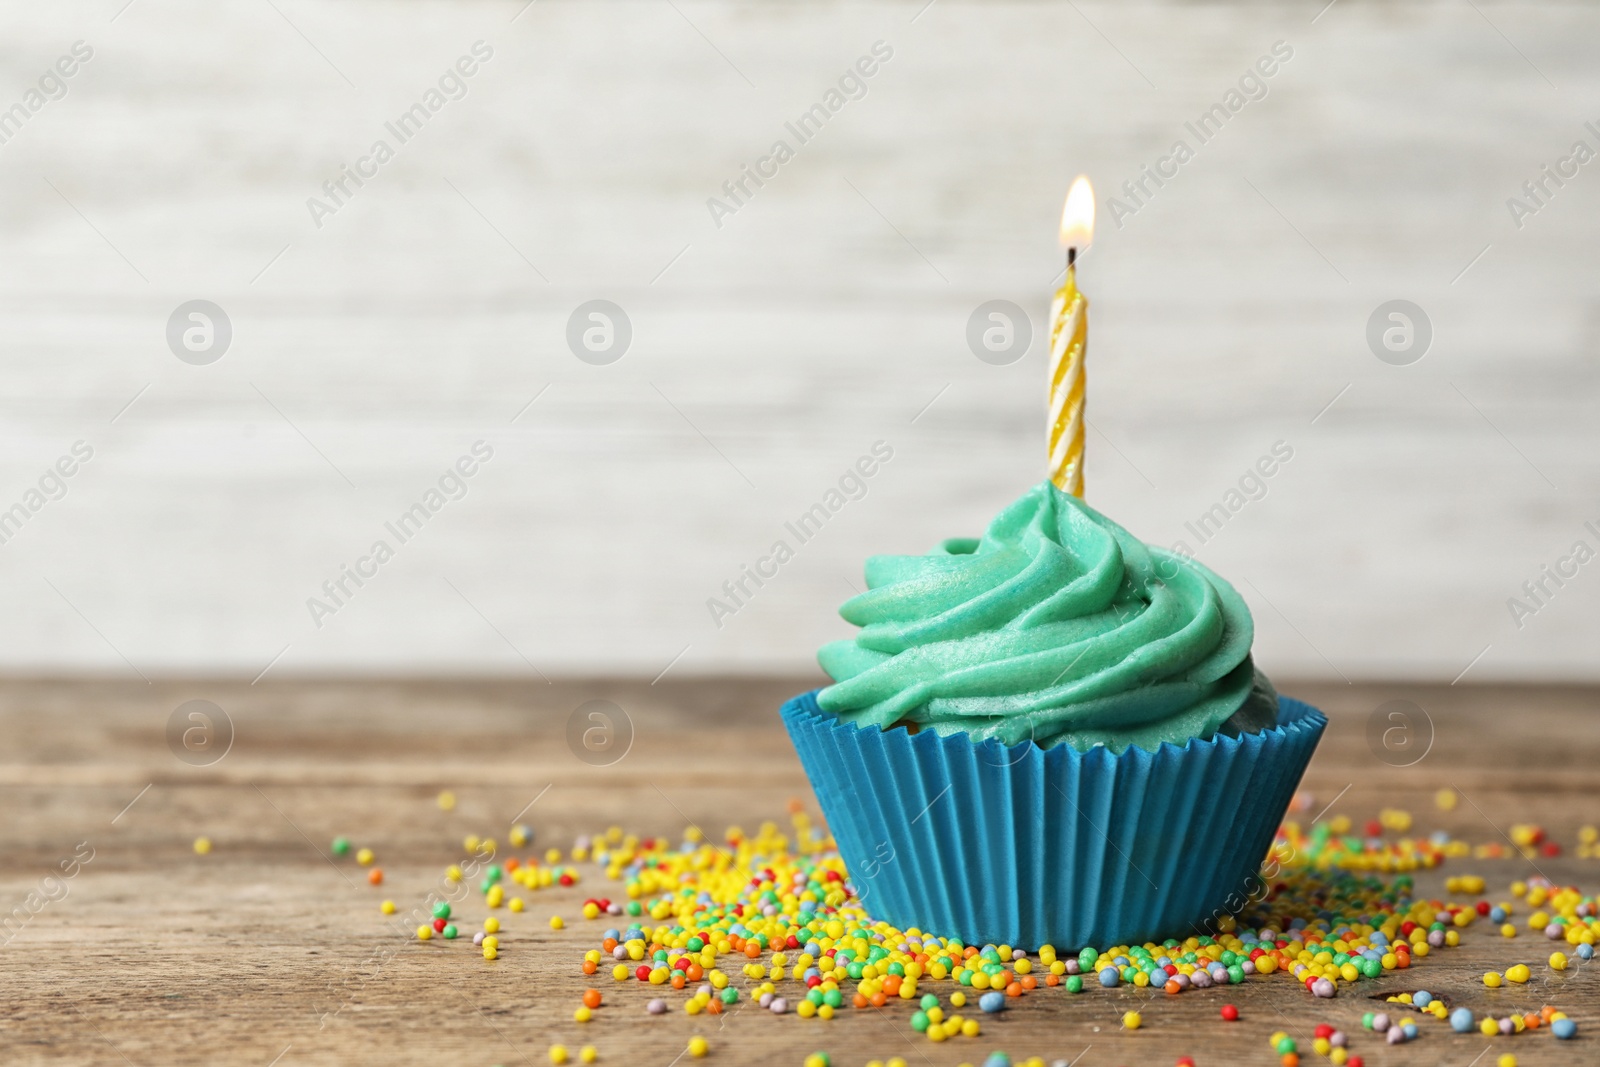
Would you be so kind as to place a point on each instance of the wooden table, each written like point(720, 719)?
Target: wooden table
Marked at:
point(266, 951)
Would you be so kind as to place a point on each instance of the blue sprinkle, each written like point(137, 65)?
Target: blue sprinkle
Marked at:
point(1461, 1020)
point(1422, 998)
point(1564, 1028)
point(1585, 952)
point(1410, 1029)
point(1497, 914)
point(992, 1002)
point(997, 1059)
point(1108, 977)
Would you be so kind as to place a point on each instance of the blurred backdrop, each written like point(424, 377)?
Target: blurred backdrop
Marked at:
point(410, 330)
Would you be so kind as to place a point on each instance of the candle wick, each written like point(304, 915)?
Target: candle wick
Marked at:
point(1072, 256)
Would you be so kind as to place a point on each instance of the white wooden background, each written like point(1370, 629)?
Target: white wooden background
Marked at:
point(770, 353)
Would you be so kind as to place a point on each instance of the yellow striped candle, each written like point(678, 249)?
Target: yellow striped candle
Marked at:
point(1069, 338)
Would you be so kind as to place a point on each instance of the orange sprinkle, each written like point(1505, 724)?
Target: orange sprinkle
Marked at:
point(591, 998)
point(589, 966)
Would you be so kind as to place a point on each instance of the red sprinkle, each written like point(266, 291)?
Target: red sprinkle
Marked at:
point(1230, 1013)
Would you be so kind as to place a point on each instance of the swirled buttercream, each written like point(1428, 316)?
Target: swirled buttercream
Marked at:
point(1057, 626)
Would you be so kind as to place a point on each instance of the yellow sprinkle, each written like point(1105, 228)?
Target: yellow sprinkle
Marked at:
point(698, 1046)
point(1518, 973)
point(558, 1054)
point(490, 952)
point(1507, 1060)
point(453, 873)
point(365, 857)
point(202, 845)
point(516, 904)
point(556, 922)
point(424, 933)
point(959, 999)
point(1558, 961)
point(447, 800)
point(1508, 930)
point(1131, 1020)
point(388, 907)
point(588, 1054)
point(1491, 979)
point(583, 1014)
point(1445, 799)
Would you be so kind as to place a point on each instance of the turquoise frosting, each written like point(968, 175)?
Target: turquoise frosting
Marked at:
point(1057, 626)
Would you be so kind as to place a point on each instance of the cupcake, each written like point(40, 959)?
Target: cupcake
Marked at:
point(1053, 734)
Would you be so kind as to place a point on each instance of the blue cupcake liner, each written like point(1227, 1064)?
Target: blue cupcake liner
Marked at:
point(1027, 846)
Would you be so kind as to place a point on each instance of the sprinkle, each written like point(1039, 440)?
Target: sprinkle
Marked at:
point(1230, 1013)
point(202, 845)
point(447, 801)
point(1131, 1020)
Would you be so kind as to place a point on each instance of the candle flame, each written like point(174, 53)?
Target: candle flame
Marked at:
point(1077, 216)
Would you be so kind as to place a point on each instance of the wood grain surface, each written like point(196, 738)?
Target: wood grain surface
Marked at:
point(267, 950)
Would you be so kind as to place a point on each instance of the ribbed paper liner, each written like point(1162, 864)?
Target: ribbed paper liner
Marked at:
point(1027, 846)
